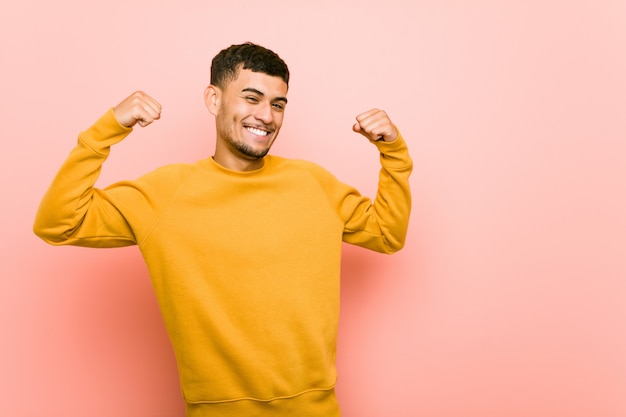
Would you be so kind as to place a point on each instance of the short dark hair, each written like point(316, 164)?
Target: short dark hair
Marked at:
point(227, 63)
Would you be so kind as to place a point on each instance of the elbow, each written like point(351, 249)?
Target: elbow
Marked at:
point(43, 233)
point(40, 228)
point(48, 231)
point(394, 244)
point(394, 249)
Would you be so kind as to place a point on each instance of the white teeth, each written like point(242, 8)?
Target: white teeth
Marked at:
point(257, 132)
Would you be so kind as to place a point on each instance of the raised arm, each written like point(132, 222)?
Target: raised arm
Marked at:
point(74, 212)
point(381, 225)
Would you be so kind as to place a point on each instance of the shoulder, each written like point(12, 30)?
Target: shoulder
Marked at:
point(170, 173)
point(304, 171)
point(287, 164)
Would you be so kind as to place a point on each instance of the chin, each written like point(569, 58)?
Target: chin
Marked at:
point(260, 154)
point(253, 153)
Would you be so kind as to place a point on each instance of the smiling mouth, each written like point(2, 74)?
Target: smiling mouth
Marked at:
point(258, 131)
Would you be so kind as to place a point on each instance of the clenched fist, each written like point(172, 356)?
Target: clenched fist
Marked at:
point(138, 108)
point(375, 125)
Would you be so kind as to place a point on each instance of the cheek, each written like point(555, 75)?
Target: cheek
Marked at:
point(223, 124)
point(226, 118)
point(278, 119)
point(238, 112)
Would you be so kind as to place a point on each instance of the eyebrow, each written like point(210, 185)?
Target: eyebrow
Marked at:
point(259, 93)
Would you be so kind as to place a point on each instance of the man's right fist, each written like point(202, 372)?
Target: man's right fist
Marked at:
point(138, 108)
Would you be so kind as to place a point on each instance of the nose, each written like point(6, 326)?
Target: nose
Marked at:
point(264, 112)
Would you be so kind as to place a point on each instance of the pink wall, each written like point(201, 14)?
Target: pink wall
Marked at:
point(510, 297)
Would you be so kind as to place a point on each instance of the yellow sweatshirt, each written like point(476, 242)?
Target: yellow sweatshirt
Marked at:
point(245, 265)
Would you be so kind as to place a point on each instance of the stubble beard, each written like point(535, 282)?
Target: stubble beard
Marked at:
point(247, 150)
point(239, 146)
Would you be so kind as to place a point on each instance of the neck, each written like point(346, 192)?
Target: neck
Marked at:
point(238, 164)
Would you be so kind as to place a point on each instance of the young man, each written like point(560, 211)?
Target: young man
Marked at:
point(243, 248)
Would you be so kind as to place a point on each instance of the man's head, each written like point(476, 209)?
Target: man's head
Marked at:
point(247, 96)
point(227, 63)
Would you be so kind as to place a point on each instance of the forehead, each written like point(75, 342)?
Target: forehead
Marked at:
point(267, 84)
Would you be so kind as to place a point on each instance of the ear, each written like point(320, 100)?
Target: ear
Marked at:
point(212, 98)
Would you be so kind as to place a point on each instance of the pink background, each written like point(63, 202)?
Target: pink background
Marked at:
point(510, 297)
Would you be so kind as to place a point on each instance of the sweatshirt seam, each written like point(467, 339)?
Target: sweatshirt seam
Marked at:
point(262, 400)
point(90, 146)
point(163, 213)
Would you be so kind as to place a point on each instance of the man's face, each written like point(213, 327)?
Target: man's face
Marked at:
point(248, 114)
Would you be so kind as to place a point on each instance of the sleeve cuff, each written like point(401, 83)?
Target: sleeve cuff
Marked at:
point(104, 133)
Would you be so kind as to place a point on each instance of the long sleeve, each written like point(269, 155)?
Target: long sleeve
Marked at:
point(74, 212)
point(382, 225)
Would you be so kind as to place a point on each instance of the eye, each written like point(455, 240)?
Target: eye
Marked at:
point(252, 99)
point(279, 106)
